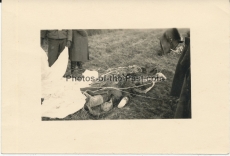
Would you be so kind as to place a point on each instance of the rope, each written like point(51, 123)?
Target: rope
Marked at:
point(121, 89)
point(141, 95)
point(125, 87)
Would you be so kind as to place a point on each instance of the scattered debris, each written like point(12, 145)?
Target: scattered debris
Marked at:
point(178, 50)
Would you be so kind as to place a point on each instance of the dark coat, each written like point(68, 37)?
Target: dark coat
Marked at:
point(78, 50)
point(181, 69)
point(183, 109)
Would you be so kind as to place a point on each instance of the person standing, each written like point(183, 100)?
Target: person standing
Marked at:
point(78, 51)
point(57, 40)
point(54, 62)
point(181, 86)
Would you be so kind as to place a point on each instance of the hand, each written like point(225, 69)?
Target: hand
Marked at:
point(68, 44)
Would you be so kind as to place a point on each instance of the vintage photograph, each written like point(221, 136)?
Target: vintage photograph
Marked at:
point(100, 78)
point(113, 74)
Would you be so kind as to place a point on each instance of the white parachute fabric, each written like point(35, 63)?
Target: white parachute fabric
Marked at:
point(61, 96)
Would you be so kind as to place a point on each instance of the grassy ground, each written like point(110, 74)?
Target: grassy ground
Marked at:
point(133, 47)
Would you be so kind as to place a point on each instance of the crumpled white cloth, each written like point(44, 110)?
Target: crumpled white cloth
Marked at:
point(61, 97)
point(67, 99)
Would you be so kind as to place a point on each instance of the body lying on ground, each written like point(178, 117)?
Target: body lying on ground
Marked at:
point(107, 93)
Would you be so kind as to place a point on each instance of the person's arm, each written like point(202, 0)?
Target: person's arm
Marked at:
point(186, 59)
point(86, 94)
point(69, 35)
point(69, 38)
point(100, 92)
point(43, 34)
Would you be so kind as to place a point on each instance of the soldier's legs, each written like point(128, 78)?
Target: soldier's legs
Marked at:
point(53, 46)
point(73, 66)
point(62, 44)
point(79, 64)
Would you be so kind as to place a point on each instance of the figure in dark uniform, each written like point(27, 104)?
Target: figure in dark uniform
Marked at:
point(78, 51)
point(57, 40)
point(181, 86)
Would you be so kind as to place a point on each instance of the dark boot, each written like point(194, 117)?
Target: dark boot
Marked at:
point(79, 64)
point(73, 66)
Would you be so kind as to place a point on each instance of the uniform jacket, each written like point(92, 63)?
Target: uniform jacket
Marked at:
point(57, 34)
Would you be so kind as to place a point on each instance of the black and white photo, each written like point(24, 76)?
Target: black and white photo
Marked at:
point(112, 74)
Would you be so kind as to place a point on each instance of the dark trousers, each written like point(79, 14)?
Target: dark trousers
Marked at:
point(55, 47)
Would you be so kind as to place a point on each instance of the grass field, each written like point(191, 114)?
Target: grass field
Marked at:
point(133, 47)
